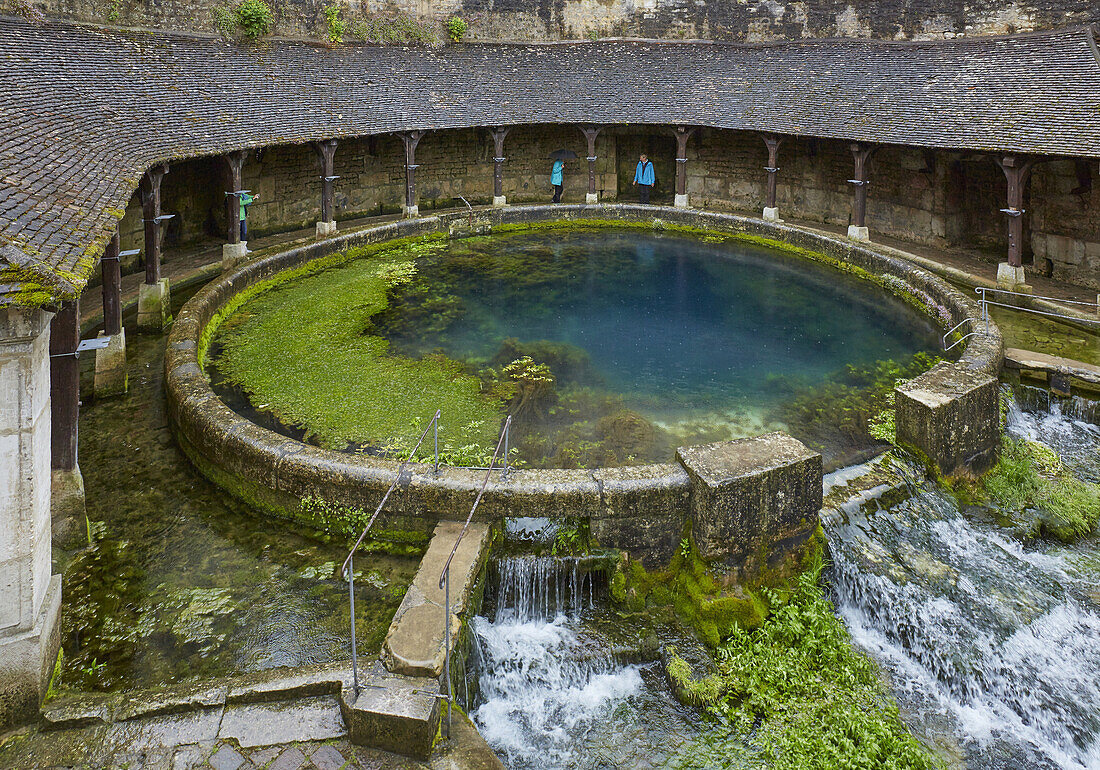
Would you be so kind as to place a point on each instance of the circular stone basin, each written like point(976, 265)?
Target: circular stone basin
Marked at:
point(609, 346)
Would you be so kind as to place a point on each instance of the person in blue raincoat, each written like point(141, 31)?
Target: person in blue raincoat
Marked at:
point(556, 179)
point(644, 178)
point(246, 201)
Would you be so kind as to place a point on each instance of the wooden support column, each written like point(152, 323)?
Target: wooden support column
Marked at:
point(153, 298)
point(861, 154)
point(150, 207)
point(590, 133)
point(682, 134)
point(411, 139)
point(111, 374)
point(326, 152)
point(772, 141)
point(498, 134)
point(1017, 170)
point(64, 385)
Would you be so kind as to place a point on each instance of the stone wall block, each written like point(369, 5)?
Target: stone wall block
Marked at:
point(951, 413)
point(751, 495)
point(642, 510)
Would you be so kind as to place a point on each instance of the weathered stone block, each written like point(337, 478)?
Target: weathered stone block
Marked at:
point(500, 201)
point(233, 254)
point(394, 713)
point(1011, 277)
point(771, 214)
point(111, 374)
point(154, 306)
point(752, 500)
point(861, 234)
point(69, 518)
point(681, 201)
point(325, 229)
point(642, 510)
point(951, 414)
point(410, 212)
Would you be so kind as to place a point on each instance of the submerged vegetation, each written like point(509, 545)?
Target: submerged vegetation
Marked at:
point(357, 359)
point(795, 687)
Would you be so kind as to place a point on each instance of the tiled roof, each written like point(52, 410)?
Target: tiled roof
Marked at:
point(84, 111)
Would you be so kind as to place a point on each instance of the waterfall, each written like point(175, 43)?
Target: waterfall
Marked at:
point(985, 639)
point(543, 679)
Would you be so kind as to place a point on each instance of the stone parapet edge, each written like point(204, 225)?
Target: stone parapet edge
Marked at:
point(274, 473)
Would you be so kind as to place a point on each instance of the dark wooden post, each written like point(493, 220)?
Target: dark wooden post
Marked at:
point(771, 211)
point(234, 162)
point(498, 134)
point(411, 139)
point(112, 288)
point(153, 298)
point(590, 133)
point(150, 207)
point(326, 152)
point(111, 376)
point(64, 385)
point(682, 135)
point(1017, 171)
point(861, 154)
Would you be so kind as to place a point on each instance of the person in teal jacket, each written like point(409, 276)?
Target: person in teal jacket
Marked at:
point(644, 178)
point(556, 179)
point(246, 201)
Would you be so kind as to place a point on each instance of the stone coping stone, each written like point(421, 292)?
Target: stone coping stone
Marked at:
point(274, 472)
point(314, 718)
point(415, 642)
point(725, 461)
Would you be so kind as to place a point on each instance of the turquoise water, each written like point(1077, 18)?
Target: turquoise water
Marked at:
point(704, 339)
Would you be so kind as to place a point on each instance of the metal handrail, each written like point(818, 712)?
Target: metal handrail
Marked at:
point(986, 302)
point(445, 575)
point(348, 569)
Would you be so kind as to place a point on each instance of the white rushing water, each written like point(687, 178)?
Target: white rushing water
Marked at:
point(544, 681)
point(989, 642)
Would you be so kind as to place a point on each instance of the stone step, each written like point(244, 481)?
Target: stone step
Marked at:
point(415, 643)
point(392, 712)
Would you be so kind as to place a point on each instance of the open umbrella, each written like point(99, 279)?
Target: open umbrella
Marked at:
point(563, 155)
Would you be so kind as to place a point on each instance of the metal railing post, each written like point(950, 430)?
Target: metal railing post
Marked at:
point(348, 569)
point(445, 575)
point(507, 427)
point(351, 603)
point(447, 648)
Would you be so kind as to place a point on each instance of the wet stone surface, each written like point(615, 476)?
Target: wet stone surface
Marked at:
point(182, 582)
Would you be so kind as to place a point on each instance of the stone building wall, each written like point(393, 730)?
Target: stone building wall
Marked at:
point(560, 19)
point(934, 198)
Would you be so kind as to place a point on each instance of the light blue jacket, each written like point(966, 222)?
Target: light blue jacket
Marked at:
point(644, 174)
point(555, 175)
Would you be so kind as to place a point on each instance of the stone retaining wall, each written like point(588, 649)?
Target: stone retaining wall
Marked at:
point(640, 509)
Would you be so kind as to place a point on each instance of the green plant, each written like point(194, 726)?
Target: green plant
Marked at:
point(115, 10)
point(336, 25)
point(571, 538)
point(224, 20)
point(456, 28)
point(254, 18)
point(685, 548)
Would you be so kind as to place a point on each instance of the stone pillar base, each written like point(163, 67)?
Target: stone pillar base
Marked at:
point(681, 201)
point(233, 254)
point(1011, 278)
point(111, 374)
point(410, 211)
point(325, 229)
point(27, 661)
point(591, 198)
point(952, 415)
point(859, 233)
point(154, 307)
point(771, 214)
point(67, 511)
point(754, 502)
point(499, 201)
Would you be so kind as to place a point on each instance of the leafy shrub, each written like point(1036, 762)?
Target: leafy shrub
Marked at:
point(225, 21)
point(456, 29)
point(254, 18)
point(336, 25)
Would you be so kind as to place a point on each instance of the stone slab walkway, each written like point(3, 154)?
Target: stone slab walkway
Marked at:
point(415, 643)
point(1042, 362)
